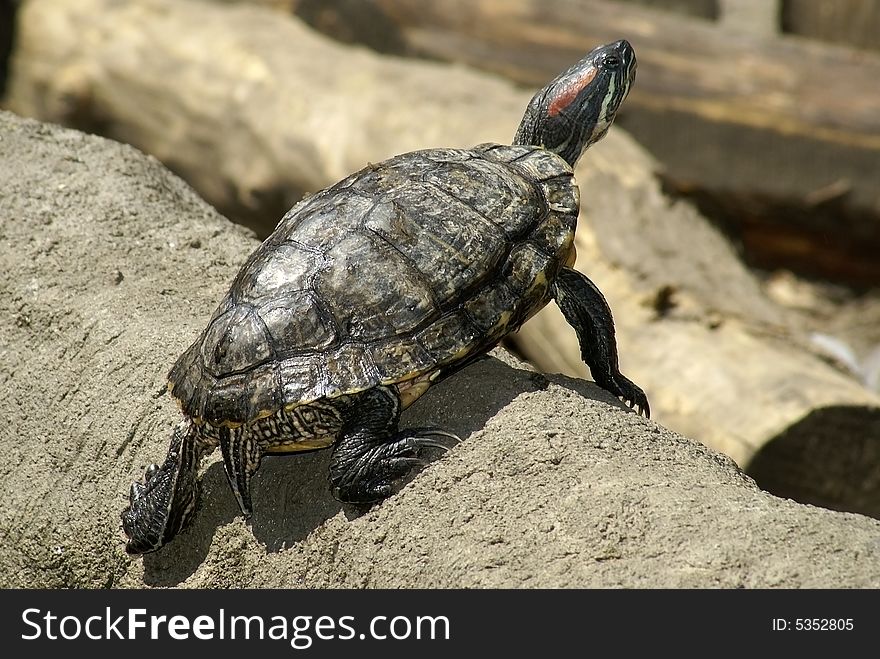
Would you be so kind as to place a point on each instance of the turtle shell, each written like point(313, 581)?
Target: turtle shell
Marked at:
point(400, 271)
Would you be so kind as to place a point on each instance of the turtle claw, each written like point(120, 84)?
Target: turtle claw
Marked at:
point(423, 438)
point(641, 406)
point(151, 471)
point(135, 492)
point(628, 392)
point(633, 396)
point(404, 464)
point(587, 311)
point(368, 477)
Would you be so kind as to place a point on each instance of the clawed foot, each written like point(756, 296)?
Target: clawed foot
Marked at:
point(629, 392)
point(371, 476)
point(161, 505)
point(145, 518)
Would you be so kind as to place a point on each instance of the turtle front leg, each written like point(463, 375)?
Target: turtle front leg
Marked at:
point(371, 453)
point(586, 309)
point(161, 506)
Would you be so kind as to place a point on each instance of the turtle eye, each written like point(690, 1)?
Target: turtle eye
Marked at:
point(611, 62)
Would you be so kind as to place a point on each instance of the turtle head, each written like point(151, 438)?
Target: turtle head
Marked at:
point(576, 109)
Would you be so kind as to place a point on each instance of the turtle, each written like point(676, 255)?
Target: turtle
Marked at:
point(374, 289)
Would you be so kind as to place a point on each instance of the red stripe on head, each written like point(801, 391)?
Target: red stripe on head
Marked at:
point(570, 92)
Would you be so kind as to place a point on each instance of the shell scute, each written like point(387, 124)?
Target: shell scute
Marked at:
point(400, 271)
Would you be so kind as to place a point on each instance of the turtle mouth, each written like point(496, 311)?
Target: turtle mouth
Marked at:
point(630, 79)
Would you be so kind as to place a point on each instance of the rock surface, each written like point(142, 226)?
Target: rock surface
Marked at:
point(112, 265)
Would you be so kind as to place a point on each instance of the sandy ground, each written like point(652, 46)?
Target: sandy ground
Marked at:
point(112, 265)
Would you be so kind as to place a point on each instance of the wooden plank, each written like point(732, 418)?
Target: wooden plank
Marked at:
point(853, 23)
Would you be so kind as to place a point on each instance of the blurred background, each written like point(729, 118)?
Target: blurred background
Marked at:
point(732, 217)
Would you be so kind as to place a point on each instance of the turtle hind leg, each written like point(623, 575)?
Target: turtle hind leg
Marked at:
point(371, 453)
point(161, 506)
point(586, 309)
point(241, 457)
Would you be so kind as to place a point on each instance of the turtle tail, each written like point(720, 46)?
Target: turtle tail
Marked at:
point(162, 506)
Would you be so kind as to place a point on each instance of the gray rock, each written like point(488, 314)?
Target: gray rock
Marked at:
point(112, 265)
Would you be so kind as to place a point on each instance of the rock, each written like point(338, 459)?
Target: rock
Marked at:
point(113, 267)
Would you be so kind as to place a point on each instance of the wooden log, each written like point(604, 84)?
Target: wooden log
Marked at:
point(854, 23)
point(707, 9)
point(252, 108)
point(757, 17)
point(783, 85)
point(7, 22)
point(244, 100)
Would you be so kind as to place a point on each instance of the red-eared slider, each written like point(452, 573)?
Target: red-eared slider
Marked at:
point(372, 290)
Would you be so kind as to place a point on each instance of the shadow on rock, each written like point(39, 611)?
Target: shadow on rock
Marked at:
point(177, 560)
point(291, 498)
point(291, 493)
